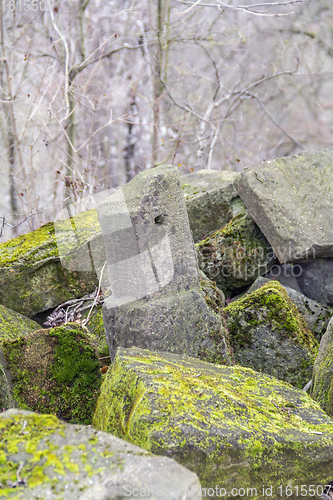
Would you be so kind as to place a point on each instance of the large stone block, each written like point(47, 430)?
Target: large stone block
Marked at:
point(157, 301)
point(291, 201)
point(211, 200)
point(268, 334)
point(43, 458)
point(234, 427)
point(322, 388)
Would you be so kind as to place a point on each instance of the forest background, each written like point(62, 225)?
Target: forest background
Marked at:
point(94, 91)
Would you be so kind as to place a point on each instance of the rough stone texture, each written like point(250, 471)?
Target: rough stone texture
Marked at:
point(316, 315)
point(235, 255)
point(73, 462)
point(286, 274)
point(291, 201)
point(211, 200)
point(322, 386)
point(268, 334)
point(157, 301)
point(13, 324)
point(63, 260)
point(53, 371)
point(232, 426)
point(32, 277)
point(316, 280)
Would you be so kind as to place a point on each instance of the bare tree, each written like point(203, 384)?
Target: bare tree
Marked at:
point(92, 93)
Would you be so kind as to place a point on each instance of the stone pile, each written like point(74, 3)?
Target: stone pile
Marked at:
point(213, 341)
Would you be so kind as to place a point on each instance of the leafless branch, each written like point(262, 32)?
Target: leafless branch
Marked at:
point(250, 9)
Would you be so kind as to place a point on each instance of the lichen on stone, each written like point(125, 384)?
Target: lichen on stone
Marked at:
point(55, 371)
point(235, 255)
point(268, 334)
point(230, 425)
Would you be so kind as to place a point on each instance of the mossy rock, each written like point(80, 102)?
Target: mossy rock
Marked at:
point(211, 200)
point(12, 326)
point(54, 371)
point(96, 330)
point(235, 255)
point(34, 277)
point(317, 316)
point(268, 334)
point(322, 386)
point(230, 425)
point(43, 458)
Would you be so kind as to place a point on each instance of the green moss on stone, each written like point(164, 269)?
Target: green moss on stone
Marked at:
point(55, 371)
point(270, 307)
point(97, 333)
point(13, 324)
point(236, 254)
point(32, 278)
point(227, 424)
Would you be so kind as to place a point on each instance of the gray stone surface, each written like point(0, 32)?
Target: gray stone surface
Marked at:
point(322, 387)
point(157, 301)
point(235, 255)
point(286, 274)
point(316, 315)
point(79, 463)
point(234, 427)
point(291, 201)
point(316, 280)
point(268, 334)
point(211, 200)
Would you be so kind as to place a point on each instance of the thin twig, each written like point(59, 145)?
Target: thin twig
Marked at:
point(99, 287)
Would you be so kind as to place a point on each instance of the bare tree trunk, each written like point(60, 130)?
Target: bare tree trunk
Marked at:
point(130, 144)
point(158, 87)
point(14, 150)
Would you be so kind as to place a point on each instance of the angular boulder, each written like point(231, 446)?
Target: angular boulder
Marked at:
point(13, 324)
point(235, 255)
point(316, 280)
point(211, 200)
point(43, 458)
point(291, 201)
point(268, 334)
point(157, 301)
point(234, 427)
point(322, 386)
point(53, 371)
point(316, 315)
point(32, 276)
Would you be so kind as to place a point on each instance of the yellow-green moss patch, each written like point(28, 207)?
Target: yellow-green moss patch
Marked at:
point(230, 425)
point(55, 371)
point(268, 334)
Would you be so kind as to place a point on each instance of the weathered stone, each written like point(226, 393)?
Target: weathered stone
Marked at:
point(268, 334)
point(286, 274)
point(291, 201)
point(156, 302)
point(234, 427)
point(211, 200)
point(322, 386)
point(316, 280)
point(235, 255)
point(316, 315)
point(13, 324)
point(57, 461)
point(53, 371)
point(59, 261)
point(32, 277)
